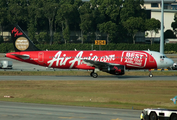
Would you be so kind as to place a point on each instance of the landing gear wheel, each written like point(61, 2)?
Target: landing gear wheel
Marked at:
point(91, 74)
point(150, 75)
point(153, 116)
point(173, 117)
point(94, 75)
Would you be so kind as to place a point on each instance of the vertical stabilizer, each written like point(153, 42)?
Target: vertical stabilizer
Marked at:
point(21, 41)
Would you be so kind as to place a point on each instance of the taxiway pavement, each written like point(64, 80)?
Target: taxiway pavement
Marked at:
point(63, 78)
point(28, 111)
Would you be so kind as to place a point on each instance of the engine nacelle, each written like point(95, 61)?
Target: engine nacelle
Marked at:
point(116, 70)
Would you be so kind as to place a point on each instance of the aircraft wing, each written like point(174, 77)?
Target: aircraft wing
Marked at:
point(98, 64)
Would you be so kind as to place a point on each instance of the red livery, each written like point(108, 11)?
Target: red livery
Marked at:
point(113, 62)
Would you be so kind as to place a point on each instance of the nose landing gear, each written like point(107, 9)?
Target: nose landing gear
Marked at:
point(150, 73)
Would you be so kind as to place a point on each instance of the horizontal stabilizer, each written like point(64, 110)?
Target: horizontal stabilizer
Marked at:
point(25, 57)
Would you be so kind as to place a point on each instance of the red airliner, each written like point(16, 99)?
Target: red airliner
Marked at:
point(113, 62)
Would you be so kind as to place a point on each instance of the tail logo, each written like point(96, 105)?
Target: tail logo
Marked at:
point(21, 43)
point(16, 31)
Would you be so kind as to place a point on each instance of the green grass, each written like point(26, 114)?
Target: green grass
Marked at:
point(109, 94)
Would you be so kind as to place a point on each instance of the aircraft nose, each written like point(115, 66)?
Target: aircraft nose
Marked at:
point(170, 62)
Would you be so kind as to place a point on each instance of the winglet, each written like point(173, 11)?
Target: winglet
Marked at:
point(174, 99)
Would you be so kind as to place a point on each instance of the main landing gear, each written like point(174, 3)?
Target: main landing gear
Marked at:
point(93, 74)
point(150, 73)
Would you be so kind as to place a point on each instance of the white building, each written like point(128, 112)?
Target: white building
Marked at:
point(170, 8)
point(156, 4)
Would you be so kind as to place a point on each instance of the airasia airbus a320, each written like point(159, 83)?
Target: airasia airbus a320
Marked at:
point(113, 62)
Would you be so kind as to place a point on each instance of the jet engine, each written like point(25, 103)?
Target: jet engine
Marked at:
point(114, 69)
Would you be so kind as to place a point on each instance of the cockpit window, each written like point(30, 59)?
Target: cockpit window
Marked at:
point(163, 56)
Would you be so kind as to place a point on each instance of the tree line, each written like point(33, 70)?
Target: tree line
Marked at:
point(51, 21)
point(168, 48)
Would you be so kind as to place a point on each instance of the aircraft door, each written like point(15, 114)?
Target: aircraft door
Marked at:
point(151, 59)
point(41, 57)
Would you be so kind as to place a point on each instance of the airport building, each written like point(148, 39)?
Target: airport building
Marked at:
point(170, 8)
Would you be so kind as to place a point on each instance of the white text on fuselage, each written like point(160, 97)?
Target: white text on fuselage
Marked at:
point(134, 59)
point(61, 59)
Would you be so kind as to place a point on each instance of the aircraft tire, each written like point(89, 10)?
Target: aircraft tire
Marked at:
point(150, 75)
point(94, 75)
point(91, 74)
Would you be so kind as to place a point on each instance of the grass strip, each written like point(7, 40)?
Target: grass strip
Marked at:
point(108, 94)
